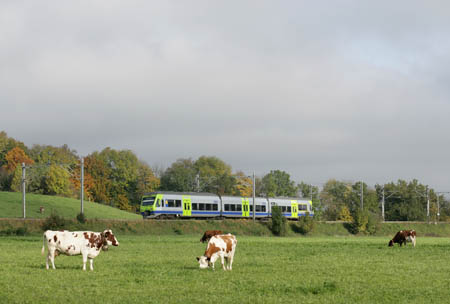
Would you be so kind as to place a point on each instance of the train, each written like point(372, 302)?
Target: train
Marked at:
point(166, 205)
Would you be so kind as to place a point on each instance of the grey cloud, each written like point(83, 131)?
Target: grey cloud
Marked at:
point(343, 89)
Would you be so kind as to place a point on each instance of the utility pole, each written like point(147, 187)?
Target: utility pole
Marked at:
point(362, 196)
point(428, 204)
point(23, 189)
point(254, 210)
point(82, 185)
point(382, 205)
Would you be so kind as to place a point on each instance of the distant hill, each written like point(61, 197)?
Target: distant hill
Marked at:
point(11, 207)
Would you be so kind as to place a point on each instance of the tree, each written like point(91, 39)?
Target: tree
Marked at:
point(334, 196)
point(14, 158)
point(57, 181)
point(146, 182)
point(180, 176)
point(214, 175)
point(244, 185)
point(100, 173)
point(278, 183)
point(405, 201)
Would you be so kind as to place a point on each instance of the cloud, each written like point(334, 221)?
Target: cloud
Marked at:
point(323, 90)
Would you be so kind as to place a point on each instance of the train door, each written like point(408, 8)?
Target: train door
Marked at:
point(245, 207)
point(187, 206)
point(294, 209)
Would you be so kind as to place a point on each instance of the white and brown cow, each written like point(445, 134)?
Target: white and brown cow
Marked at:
point(404, 236)
point(223, 246)
point(87, 243)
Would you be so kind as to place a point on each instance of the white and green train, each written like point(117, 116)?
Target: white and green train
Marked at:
point(209, 205)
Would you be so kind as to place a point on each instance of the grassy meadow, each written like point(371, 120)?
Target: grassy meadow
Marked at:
point(11, 207)
point(163, 269)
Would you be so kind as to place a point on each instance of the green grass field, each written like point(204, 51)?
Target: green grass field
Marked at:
point(11, 207)
point(163, 269)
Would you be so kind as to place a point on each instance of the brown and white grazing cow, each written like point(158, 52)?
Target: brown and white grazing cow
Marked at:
point(404, 236)
point(223, 246)
point(87, 243)
point(208, 234)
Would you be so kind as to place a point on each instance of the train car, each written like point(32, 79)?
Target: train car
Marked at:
point(292, 208)
point(242, 207)
point(208, 205)
point(179, 204)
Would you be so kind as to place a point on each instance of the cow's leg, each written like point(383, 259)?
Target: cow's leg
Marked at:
point(413, 240)
point(230, 261)
point(223, 262)
point(84, 261)
point(51, 255)
point(91, 261)
point(46, 259)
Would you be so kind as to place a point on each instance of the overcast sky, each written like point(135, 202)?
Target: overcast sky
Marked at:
point(351, 90)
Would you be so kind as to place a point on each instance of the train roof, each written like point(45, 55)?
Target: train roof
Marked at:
point(181, 193)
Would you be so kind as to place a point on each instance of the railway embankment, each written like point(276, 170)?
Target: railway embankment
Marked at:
point(17, 226)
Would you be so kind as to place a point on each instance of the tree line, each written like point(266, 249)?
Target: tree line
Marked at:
point(119, 178)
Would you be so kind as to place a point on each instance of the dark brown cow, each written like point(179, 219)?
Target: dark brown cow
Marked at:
point(209, 234)
point(404, 236)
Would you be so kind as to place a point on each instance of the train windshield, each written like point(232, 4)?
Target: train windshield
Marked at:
point(148, 201)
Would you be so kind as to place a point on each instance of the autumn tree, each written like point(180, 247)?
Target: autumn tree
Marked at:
point(244, 185)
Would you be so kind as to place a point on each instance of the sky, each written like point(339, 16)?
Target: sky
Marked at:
point(346, 90)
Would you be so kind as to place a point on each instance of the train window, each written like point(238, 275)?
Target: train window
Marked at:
point(208, 206)
point(289, 209)
point(283, 208)
point(178, 203)
point(251, 208)
point(170, 203)
point(148, 201)
point(302, 207)
point(227, 207)
point(263, 209)
point(215, 207)
point(194, 206)
point(201, 206)
point(239, 207)
point(233, 207)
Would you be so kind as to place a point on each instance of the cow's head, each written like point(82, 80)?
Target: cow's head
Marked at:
point(203, 261)
point(109, 238)
point(391, 243)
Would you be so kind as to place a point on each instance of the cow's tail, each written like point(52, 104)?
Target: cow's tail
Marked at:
point(43, 244)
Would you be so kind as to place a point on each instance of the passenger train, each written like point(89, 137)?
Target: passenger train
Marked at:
point(209, 205)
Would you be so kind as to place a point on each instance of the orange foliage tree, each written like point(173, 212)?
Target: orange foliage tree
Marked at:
point(15, 157)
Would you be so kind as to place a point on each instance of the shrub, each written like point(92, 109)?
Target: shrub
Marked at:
point(364, 222)
point(278, 226)
point(54, 222)
point(81, 218)
point(305, 224)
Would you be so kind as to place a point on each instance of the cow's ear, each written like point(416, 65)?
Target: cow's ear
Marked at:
point(198, 258)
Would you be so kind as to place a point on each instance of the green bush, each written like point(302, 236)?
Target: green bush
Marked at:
point(305, 224)
point(54, 222)
point(364, 222)
point(81, 218)
point(279, 222)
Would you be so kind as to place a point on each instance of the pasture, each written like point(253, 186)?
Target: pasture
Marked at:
point(163, 269)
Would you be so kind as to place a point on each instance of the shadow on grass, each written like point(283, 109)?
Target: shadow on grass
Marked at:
point(319, 289)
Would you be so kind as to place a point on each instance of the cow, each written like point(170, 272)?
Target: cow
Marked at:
point(87, 243)
point(404, 236)
point(223, 246)
point(208, 234)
